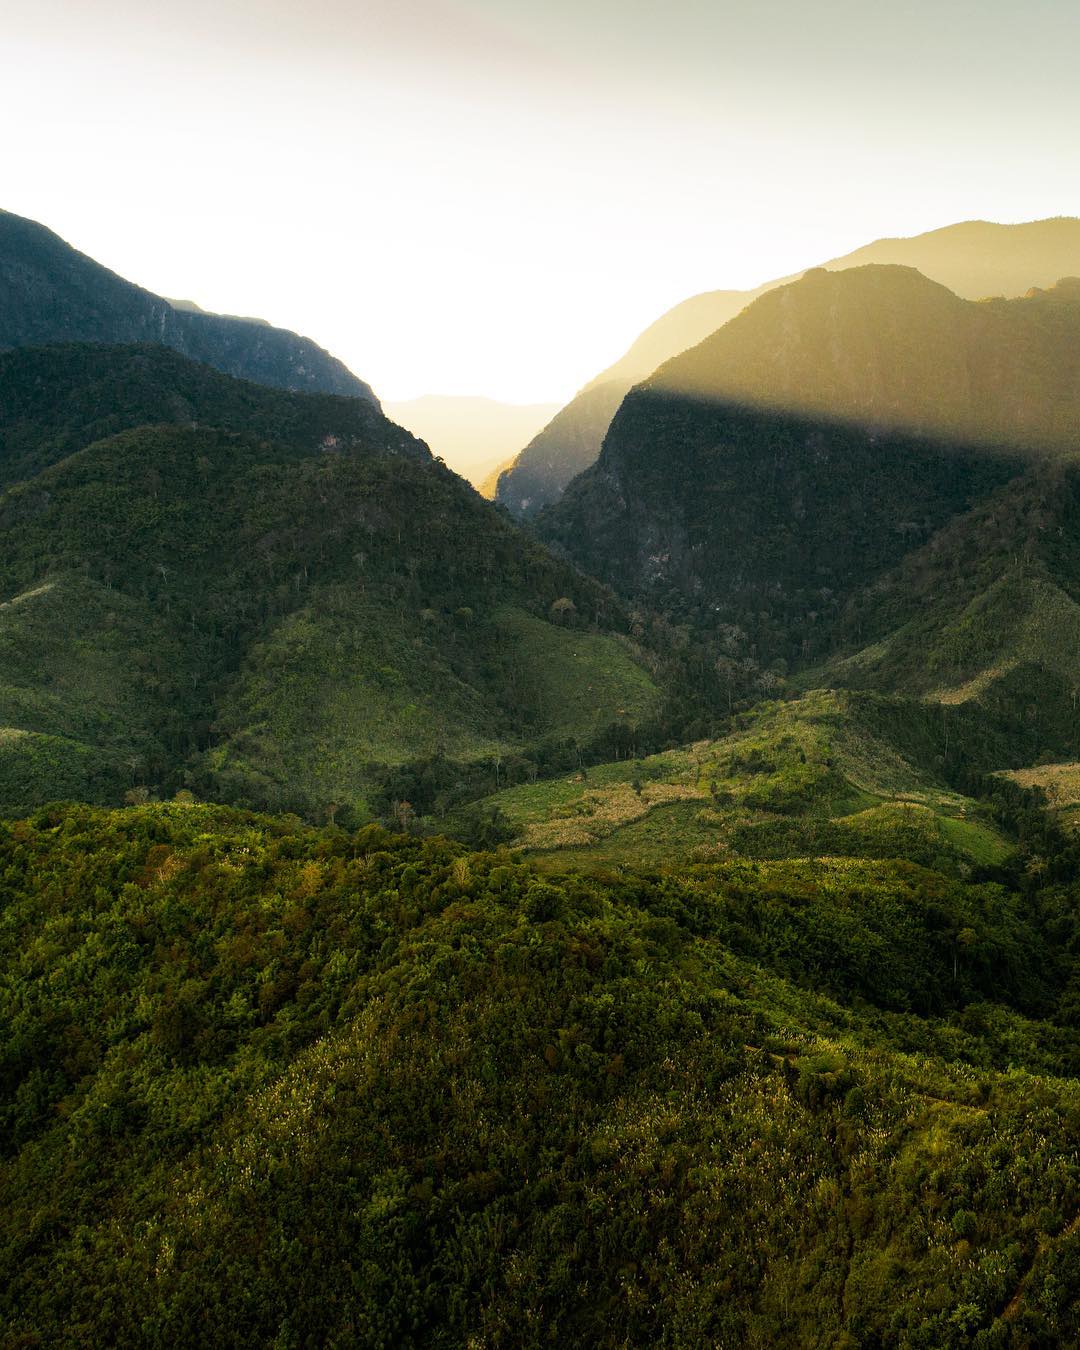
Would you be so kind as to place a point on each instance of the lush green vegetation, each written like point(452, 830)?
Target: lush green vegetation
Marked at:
point(830, 774)
point(275, 1085)
point(277, 605)
point(734, 1017)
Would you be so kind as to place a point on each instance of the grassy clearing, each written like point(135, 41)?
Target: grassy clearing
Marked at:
point(807, 778)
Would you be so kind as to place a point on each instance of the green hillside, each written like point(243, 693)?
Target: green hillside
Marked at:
point(272, 610)
point(818, 777)
point(290, 1087)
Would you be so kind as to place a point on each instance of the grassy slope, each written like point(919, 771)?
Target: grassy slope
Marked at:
point(344, 684)
point(817, 776)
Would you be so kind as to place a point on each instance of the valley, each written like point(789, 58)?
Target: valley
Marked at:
point(647, 915)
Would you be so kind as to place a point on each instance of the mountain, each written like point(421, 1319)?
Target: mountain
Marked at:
point(276, 599)
point(565, 447)
point(974, 259)
point(49, 292)
point(488, 485)
point(772, 1039)
point(475, 436)
point(794, 480)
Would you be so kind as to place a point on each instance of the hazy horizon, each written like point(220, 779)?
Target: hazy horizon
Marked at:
point(489, 199)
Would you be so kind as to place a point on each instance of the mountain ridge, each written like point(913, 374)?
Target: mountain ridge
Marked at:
point(1008, 259)
point(50, 292)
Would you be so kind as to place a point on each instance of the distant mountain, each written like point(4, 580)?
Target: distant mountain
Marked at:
point(475, 436)
point(974, 259)
point(277, 599)
point(49, 292)
point(488, 486)
point(771, 481)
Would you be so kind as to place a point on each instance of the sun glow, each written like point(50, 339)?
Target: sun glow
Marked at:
point(494, 198)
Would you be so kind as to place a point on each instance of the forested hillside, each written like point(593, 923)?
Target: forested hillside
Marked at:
point(270, 1085)
point(270, 598)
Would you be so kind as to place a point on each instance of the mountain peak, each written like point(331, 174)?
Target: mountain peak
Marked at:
point(973, 259)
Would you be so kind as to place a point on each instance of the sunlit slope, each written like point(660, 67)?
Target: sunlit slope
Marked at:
point(831, 774)
point(1060, 786)
point(272, 614)
point(769, 474)
point(886, 347)
point(974, 259)
point(269, 1085)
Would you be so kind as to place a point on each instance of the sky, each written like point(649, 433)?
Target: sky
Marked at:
point(495, 196)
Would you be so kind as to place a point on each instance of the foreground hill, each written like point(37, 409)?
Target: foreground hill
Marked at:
point(274, 605)
point(270, 1085)
point(49, 292)
point(974, 259)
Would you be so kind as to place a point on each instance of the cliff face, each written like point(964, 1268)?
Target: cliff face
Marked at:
point(973, 259)
point(49, 292)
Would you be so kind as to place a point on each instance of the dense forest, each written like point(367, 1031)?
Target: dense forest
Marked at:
point(265, 1084)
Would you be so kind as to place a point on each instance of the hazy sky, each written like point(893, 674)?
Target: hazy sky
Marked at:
point(495, 196)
